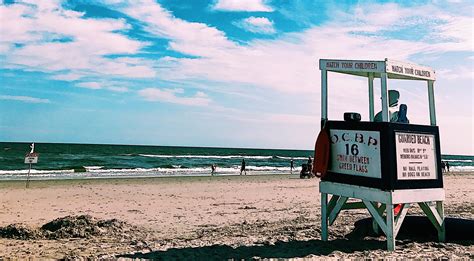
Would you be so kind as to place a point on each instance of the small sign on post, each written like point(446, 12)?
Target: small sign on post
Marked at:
point(30, 158)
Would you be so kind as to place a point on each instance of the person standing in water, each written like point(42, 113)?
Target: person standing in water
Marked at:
point(242, 167)
point(291, 166)
point(213, 169)
point(310, 162)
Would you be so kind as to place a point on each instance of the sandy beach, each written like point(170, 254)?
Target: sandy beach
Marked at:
point(220, 217)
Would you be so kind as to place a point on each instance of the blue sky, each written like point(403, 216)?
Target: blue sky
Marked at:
point(228, 73)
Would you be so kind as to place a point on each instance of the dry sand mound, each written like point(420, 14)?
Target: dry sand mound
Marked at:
point(83, 226)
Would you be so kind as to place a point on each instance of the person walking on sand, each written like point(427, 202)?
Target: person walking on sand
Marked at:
point(242, 167)
point(291, 166)
point(310, 166)
point(447, 166)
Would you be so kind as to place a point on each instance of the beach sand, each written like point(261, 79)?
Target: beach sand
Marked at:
point(220, 217)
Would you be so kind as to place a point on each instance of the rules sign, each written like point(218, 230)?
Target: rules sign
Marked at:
point(355, 152)
point(415, 156)
point(31, 158)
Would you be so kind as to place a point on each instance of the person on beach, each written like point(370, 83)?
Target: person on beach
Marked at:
point(242, 167)
point(213, 169)
point(291, 166)
point(443, 166)
point(394, 115)
point(447, 166)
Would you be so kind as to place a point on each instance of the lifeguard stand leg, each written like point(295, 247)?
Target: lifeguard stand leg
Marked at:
point(442, 230)
point(436, 216)
point(390, 228)
point(324, 217)
point(375, 226)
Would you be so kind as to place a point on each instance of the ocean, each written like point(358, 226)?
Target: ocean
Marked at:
point(63, 161)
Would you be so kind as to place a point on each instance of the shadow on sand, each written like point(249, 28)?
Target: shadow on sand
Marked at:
point(290, 249)
point(414, 228)
point(419, 228)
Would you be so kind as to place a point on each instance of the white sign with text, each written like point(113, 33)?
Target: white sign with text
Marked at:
point(355, 152)
point(416, 156)
point(31, 158)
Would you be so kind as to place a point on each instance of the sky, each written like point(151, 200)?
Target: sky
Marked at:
point(222, 73)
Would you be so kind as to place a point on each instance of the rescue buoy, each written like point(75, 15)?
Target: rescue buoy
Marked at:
point(321, 154)
point(397, 209)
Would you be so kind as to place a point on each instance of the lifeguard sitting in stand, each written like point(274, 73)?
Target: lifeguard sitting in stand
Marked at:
point(399, 116)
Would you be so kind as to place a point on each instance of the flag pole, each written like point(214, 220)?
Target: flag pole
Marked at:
point(28, 178)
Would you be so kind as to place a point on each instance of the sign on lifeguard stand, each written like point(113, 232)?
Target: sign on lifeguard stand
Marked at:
point(384, 165)
point(30, 158)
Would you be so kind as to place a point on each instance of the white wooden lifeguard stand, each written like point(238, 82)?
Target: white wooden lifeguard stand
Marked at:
point(385, 164)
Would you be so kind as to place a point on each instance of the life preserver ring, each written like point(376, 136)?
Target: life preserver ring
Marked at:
point(321, 154)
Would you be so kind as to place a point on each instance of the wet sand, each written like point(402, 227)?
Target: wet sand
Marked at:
point(220, 217)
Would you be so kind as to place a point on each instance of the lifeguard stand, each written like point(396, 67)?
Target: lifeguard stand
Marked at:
point(382, 164)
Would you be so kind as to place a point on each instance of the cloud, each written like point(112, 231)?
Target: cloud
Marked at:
point(117, 88)
point(111, 86)
point(67, 77)
point(460, 72)
point(256, 25)
point(170, 96)
point(26, 99)
point(42, 36)
point(242, 6)
point(289, 62)
point(191, 38)
point(89, 85)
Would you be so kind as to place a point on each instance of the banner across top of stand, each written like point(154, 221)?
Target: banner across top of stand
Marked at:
point(394, 69)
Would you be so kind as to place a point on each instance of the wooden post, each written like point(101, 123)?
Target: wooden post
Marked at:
point(442, 229)
point(390, 228)
point(28, 178)
point(384, 96)
point(431, 101)
point(324, 217)
point(371, 97)
point(375, 227)
point(324, 95)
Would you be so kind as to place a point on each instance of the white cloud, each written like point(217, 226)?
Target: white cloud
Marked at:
point(455, 34)
point(111, 86)
point(27, 99)
point(117, 88)
point(456, 73)
point(53, 39)
point(67, 77)
point(186, 37)
point(89, 85)
point(171, 96)
point(256, 25)
point(242, 5)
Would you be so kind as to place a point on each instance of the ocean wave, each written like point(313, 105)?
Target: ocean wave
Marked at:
point(291, 158)
point(33, 171)
point(205, 156)
point(177, 170)
point(457, 160)
point(461, 168)
point(89, 168)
